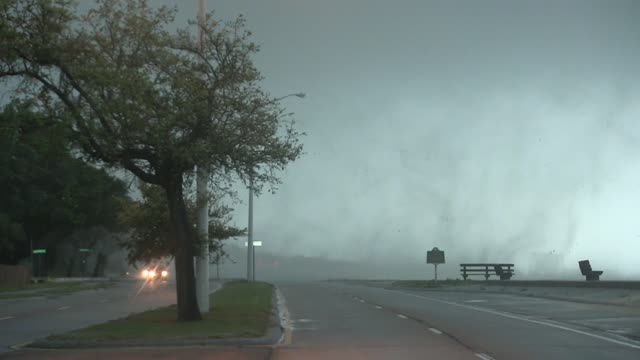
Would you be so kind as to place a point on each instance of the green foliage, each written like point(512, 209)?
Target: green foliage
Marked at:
point(155, 102)
point(150, 237)
point(46, 191)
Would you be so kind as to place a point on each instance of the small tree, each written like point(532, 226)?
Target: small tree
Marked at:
point(148, 220)
point(151, 101)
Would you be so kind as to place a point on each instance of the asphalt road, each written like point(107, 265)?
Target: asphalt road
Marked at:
point(26, 319)
point(515, 327)
point(344, 321)
point(328, 322)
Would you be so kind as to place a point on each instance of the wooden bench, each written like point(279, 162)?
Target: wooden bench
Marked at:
point(504, 271)
point(588, 272)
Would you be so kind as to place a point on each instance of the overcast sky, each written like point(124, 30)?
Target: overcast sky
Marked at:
point(495, 130)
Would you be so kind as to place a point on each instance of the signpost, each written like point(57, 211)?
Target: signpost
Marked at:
point(435, 257)
point(253, 257)
point(38, 262)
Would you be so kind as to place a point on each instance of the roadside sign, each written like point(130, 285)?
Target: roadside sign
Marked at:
point(255, 243)
point(435, 256)
point(39, 251)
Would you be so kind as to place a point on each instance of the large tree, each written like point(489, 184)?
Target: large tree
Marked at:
point(151, 101)
point(47, 192)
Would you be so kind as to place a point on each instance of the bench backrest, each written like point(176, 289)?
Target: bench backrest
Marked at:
point(585, 267)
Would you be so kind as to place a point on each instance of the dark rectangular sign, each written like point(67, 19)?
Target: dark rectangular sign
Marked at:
point(435, 256)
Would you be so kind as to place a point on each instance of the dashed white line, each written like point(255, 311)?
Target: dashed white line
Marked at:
point(6, 318)
point(484, 357)
point(64, 307)
point(516, 317)
point(378, 307)
point(361, 300)
point(435, 331)
point(401, 316)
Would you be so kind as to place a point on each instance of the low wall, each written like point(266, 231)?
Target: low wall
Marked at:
point(14, 275)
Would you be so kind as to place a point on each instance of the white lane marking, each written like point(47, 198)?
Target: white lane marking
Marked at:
point(64, 307)
point(484, 356)
point(476, 301)
point(435, 331)
point(20, 346)
point(378, 307)
point(401, 316)
point(6, 318)
point(361, 300)
point(614, 341)
point(104, 301)
point(303, 320)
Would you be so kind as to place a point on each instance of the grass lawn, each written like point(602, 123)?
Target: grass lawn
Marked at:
point(240, 309)
point(50, 288)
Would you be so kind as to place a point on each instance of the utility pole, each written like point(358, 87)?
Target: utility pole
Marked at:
point(250, 257)
point(202, 179)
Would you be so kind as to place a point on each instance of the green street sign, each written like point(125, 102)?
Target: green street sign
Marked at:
point(85, 250)
point(39, 251)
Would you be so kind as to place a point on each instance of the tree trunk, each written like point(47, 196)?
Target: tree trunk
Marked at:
point(181, 231)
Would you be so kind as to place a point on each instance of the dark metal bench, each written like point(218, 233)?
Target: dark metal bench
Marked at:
point(504, 271)
point(588, 272)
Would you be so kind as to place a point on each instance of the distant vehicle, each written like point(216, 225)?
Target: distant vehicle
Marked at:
point(155, 273)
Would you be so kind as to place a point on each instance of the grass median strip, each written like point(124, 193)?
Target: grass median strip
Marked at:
point(239, 310)
point(429, 283)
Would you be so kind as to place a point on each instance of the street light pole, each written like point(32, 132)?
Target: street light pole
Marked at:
point(251, 252)
point(202, 179)
point(250, 257)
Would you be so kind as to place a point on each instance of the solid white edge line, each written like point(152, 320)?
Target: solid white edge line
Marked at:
point(435, 331)
point(614, 341)
point(6, 318)
point(401, 316)
point(484, 356)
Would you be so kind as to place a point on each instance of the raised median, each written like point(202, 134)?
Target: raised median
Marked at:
point(241, 313)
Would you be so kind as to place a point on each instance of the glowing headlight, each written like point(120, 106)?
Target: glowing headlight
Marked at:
point(152, 273)
point(164, 273)
point(145, 273)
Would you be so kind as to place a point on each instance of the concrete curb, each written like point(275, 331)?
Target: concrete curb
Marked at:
point(549, 297)
point(284, 319)
point(273, 336)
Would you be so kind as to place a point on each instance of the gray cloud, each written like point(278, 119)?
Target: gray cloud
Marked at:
point(496, 130)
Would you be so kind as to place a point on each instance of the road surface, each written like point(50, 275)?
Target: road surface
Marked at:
point(515, 327)
point(26, 319)
point(344, 321)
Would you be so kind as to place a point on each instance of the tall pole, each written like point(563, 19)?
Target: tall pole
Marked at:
point(202, 179)
point(250, 258)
